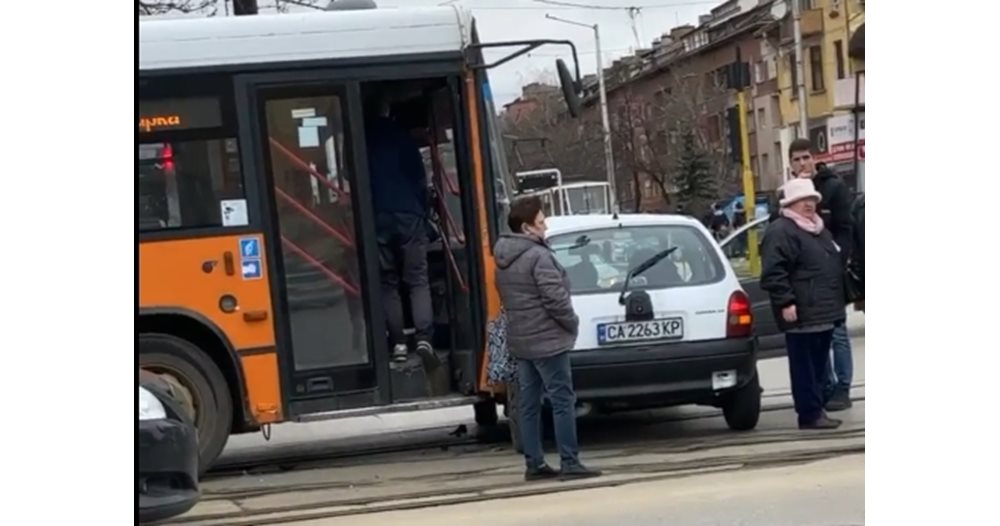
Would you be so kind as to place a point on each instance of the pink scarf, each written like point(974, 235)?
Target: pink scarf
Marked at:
point(814, 226)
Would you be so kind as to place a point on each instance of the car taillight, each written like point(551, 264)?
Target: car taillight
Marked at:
point(739, 320)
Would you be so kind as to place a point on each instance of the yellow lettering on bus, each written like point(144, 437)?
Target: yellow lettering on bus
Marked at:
point(148, 124)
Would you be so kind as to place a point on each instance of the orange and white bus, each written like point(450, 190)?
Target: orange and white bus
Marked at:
point(259, 297)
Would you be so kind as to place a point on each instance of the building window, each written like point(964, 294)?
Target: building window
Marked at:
point(816, 68)
point(805, 5)
point(838, 47)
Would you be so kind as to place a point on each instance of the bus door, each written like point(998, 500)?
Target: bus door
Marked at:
point(320, 212)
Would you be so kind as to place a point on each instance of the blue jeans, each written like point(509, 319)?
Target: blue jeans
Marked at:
point(554, 375)
point(841, 370)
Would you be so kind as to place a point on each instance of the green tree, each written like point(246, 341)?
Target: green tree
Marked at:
point(693, 177)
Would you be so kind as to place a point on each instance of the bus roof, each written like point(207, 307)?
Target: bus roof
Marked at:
point(320, 35)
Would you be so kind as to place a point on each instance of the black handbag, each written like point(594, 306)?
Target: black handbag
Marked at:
point(854, 285)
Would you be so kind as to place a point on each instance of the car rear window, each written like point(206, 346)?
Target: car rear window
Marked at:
point(598, 260)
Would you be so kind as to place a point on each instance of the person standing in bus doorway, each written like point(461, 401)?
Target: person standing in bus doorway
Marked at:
point(835, 209)
point(400, 198)
point(541, 331)
point(803, 274)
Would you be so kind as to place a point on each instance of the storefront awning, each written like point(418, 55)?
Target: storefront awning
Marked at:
point(856, 47)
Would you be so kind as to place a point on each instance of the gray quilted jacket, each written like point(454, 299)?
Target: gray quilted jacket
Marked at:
point(534, 289)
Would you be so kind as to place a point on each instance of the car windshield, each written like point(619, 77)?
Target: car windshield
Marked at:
point(598, 260)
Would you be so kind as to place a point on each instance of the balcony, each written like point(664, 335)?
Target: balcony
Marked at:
point(812, 22)
point(843, 93)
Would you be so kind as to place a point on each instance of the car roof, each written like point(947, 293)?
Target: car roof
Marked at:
point(565, 224)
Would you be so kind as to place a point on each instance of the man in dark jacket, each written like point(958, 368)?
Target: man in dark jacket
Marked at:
point(804, 276)
point(835, 209)
point(858, 259)
point(541, 331)
point(399, 195)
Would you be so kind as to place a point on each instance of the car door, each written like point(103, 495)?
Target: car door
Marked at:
point(772, 342)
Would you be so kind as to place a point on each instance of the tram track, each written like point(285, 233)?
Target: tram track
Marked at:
point(471, 443)
point(498, 483)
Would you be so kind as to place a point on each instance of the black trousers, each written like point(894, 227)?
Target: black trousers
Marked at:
point(402, 245)
point(808, 360)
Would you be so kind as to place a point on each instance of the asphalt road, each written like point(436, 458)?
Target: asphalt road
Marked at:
point(825, 493)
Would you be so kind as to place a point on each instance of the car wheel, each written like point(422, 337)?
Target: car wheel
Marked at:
point(514, 415)
point(204, 391)
point(742, 408)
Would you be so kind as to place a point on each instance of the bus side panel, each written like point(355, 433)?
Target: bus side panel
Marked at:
point(486, 251)
point(193, 275)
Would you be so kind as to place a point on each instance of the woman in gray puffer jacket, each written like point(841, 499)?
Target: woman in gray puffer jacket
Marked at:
point(541, 331)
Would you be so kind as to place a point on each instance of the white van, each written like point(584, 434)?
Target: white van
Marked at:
point(681, 333)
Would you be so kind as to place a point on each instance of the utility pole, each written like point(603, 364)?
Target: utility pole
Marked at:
point(609, 156)
point(739, 80)
point(800, 73)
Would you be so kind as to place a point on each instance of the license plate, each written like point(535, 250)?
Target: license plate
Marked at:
point(640, 331)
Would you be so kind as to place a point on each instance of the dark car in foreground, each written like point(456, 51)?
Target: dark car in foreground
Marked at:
point(167, 445)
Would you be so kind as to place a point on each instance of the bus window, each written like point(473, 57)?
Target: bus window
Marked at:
point(502, 182)
point(188, 166)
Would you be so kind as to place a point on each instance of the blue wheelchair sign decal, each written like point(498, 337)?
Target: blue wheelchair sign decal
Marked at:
point(249, 248)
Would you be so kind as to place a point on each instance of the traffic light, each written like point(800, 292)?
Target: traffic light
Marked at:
point(733, 134)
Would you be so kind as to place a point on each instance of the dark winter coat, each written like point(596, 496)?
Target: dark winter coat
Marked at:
point(535, 291)
point(804, 270)
point(835, 208)
point(859, 237)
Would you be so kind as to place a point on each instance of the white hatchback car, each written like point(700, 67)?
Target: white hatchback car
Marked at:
point(680, 333)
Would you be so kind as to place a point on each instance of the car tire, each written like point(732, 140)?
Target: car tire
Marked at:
point(213, 407)
point(742, 407)
point(514, 416)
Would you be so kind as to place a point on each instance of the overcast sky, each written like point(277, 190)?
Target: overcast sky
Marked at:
point(500, 20)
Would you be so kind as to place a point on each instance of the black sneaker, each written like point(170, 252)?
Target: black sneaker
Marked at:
point(822, 422)
point(542, 472)
point(579, 471)
point(427, 354)
point(399, 353)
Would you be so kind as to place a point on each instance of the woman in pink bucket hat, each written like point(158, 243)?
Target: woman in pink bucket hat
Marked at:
point(803, 274)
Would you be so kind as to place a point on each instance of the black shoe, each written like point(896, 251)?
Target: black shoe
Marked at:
point(542, 472)
point(822, 422)
point(840, 401)
point(579, 471)
point(426, 352)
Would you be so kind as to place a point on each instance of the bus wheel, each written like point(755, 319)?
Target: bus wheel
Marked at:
point(179, 361)
point(514, 416)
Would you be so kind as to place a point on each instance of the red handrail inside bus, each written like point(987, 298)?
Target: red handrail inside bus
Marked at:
point(337, 234)
point(318, 265)
point(309, 169)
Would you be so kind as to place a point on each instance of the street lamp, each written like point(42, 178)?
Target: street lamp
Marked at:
point(609, 158)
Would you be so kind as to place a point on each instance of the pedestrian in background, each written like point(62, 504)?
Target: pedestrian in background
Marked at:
point(835, 210)
point(541, 331)
point(804, 275)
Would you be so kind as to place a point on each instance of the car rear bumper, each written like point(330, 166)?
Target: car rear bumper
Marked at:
point(168, 469)
point(664, 374)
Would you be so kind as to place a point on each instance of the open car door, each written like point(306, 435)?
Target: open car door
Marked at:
point(772, 341)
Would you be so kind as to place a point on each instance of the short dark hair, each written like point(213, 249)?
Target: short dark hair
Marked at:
point(800, 145)
point(523, 211)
